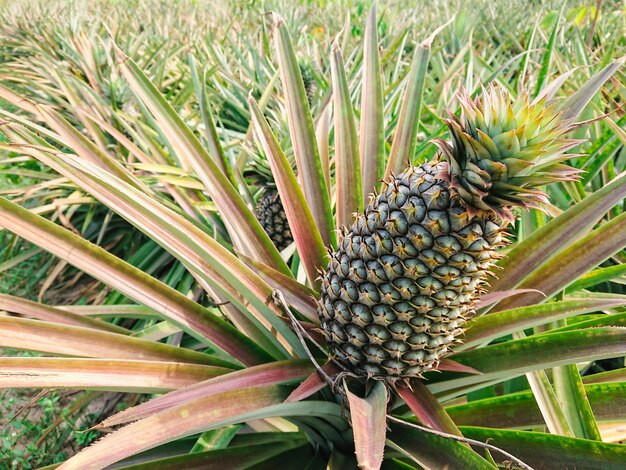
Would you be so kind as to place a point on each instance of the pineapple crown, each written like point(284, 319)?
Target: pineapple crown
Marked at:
point(503, 149)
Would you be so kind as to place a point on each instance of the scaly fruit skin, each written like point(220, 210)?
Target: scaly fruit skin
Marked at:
point(406, 276)
point(271, 214)
point(404, 281)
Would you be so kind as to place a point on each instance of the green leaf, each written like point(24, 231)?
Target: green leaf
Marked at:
point(545, 451)
point(40, 311)
point(520, 410)
point(431, 451)
point(137, 285)
point(114, 375)
point(221, 459)
point(210, 132)
point(597, 276)
point(526, 256)
point(303, 134)
point(177, 422)
point(347, 163)
point(67, 340)
point(496, 325)
point(368, 417)
point(265, 374)
point(301, 223)
point(406, 130)
point(244, 228)
point(507, 360)
point(577, 102)
point(372, 131)
point(573, 398)
point(559, 271)
point(427, 408)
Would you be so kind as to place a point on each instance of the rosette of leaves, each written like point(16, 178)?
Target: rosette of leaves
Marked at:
point(248, 381)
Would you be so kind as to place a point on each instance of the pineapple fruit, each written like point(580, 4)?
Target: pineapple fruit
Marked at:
point(269, 208)
point(406, 276)
point(271, 214)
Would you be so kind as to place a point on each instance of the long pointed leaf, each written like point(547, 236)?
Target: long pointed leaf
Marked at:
point(301, 223)
point(173, 305)
point(347, 169)
point(303, 134)
point(35, 335)
point(368, 417)
point(115, 375)
point(372, 131)
point(244, 225)
point(265, 374)
point(40, 311)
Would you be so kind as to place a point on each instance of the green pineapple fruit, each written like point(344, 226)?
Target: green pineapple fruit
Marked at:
point(269, 209)
point(271, 214)
point(407, 274)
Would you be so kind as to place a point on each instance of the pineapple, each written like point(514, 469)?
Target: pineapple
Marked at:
point(269, 209)
point(271, 214)
point(406, 276)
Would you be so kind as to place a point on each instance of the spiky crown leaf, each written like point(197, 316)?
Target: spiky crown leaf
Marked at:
point(503, 150)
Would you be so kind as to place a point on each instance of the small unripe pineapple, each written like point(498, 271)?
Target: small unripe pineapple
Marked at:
point(407, 274)
point(273, 219)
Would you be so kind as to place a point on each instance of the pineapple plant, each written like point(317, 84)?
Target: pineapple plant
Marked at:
point(234, 379)
point(407, 274)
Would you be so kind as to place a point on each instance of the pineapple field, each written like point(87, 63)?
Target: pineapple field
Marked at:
point(334, 235)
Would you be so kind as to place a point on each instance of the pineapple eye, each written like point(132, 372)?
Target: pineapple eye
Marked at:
point(392, 265)
point(384, 243)
point(375, 218)
point(406, 287)
point(384, 313)
point(414, 268)
point(357, 268)
point(435, 342)
point(397, 195)
point(390, 293)
point(343, 310)
point(432, 259)
point(374, 352)
point(378, 333)
point(376, 271)
point(438, 221)
point(397, 224)
point(405, 248)
point(337, 332)
point(350, 289)
point(369, 293)
point(401, 329)
point(415, 210)
point(369, 248)
point(414, 356)
point(361, 315)
point(423, 302)
point(420, 237)
point(447, 272)
point(353, 354)
point(372, 369)
point(429, 285)
point(418, 340)
point(393, 366)
point(448, 245)
point(357, 335)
